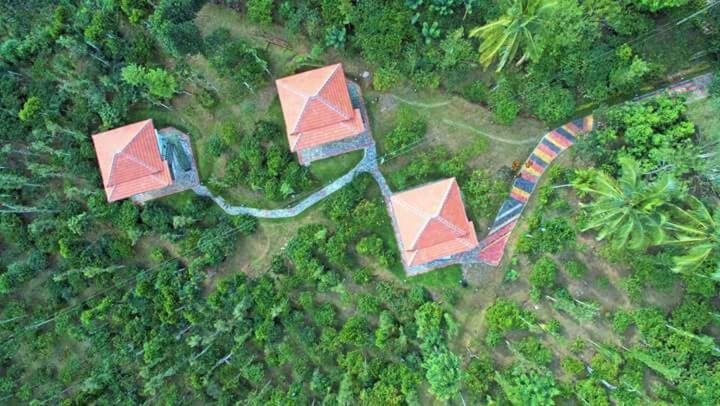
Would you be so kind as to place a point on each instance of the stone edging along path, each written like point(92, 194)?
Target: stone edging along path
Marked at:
point(491, 249)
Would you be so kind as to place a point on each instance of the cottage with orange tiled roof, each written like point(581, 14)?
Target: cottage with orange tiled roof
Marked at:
point(138, 162)
point(431, 225)
point(323, 113)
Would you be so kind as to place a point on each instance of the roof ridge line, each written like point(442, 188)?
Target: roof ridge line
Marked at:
point(133, 157)
point(327, 80)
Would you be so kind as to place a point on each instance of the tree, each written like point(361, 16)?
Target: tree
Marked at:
point(172, 25)
point(443, 374)
point(696, 230)
point(260, 11)
point(514, 31)
point(627, 210)
point(157, 82)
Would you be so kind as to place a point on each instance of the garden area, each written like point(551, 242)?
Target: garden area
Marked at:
point(608, 290)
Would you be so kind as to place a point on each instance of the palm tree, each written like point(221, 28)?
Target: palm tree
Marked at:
point(697, 230)
point(513, 31)
point(627, 210)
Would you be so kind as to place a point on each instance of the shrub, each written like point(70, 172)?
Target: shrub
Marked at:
point(532, 349)
point(575, 268)
point(215, 146)
point(621, 321)
point(546, 236)
point(260, 11)
point(552, 104)
point(478, 375)
point(502, 316)
point(386, 78)
point(543, 273)
point(409, 130)
point(361, 276)
point(476, 92)
point(207, 98)
point(504, 103)
point(573, 367)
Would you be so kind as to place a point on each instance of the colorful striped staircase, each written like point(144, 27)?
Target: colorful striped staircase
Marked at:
point(551, 145)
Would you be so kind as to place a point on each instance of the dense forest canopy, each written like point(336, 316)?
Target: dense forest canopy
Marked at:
point(609, 294)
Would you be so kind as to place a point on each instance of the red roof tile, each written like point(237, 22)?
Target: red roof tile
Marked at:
point(130, 162)
point(431, 222)
point(317, 108)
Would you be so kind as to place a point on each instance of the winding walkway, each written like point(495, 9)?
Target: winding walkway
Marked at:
point(367, 164)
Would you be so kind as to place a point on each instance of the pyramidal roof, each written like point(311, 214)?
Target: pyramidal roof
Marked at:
point(130, 161)
point(431, 222)
point(317, 108)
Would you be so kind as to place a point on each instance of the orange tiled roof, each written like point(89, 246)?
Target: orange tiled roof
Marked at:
point(130, 162)
point(431, 222)
point(317, 108)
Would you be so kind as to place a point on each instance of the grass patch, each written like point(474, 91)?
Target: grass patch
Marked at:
point(329, 169)
point(706, 116)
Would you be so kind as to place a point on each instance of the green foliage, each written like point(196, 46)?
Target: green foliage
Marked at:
point(409, 130)
point(573, 367)
point(621, 321)
point(386, 78)
point(533, 350)
point(381, 30)
point(552, 104)
point(546, 236)
point(579, 310)
point(157, 82)
point(172, 25)
point(483, 193)
point(657, 5)
point(543, 273)
point(655, 133)
point(478, 375)
point(696, 231)
point(260, 11)
point(476, 92)
point(575, 268)
point(243, 64)
point(264, 164)
point(443, 374)
point(514, 31)
point(522, 387)
point(503, 316)
point(31, 108)
point(503, 101)
point(626, 211)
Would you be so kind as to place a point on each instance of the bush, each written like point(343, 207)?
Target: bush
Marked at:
point(621, 321)
point(410, 129)
point(573, 367)
point(543, 273)
point(386, 78)
point(532, 349)
point(476, 92)
point(546, 236)
point(215, 146)
point(260, 11)
point(552, 104)
point(575, 268)
point(504, 315)
point(504, 103)
point(207, 98)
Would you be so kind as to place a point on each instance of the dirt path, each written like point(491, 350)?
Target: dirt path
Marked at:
point(484, 134)
point(420, 104)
